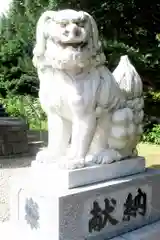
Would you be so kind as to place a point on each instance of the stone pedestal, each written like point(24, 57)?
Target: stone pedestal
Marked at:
point(96, 211)
point(44, 174)
point(149, 232)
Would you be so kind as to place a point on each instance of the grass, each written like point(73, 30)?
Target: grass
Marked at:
point(151, 153)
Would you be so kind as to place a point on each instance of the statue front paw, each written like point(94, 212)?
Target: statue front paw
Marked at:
point(45, 156)
point(71, 163)
point(63, 162)
point(101, 158)
point(104, 157)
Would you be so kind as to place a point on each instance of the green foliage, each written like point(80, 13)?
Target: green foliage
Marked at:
point(153, 96)
point(152, 103)
point(125, 27)
point(152, 135)
point(26, 107)
point(17, 74)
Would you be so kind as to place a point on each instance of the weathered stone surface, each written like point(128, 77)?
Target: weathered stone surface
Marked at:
point(101, 112)
point(43, 173)
point(13, 136)
point(95, 212)
point(149, 232)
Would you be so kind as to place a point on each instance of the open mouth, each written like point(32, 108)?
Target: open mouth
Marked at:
point(74, 45)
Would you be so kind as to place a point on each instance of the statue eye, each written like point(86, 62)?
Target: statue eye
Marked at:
point(81, 23)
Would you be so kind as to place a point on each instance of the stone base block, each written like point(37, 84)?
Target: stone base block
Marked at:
point(149, 232)
point(95, 212)
point(11, 231)
point(44, 174)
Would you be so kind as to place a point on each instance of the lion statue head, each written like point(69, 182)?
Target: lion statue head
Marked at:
point(66, 39)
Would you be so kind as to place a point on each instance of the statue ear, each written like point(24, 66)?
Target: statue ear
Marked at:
point(40, 32)
point(95, 33)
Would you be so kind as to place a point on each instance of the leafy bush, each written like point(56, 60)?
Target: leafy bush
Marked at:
point(152, 103)
point(26, 107)
point(153, 96)
point(152, 135)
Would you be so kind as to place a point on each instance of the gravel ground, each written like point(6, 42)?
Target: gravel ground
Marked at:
point(10, 168)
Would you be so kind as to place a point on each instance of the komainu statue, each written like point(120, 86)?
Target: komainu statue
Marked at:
point(94, 116)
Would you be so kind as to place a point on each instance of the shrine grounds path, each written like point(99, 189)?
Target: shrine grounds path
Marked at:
point(20, 167)
point(151, 153)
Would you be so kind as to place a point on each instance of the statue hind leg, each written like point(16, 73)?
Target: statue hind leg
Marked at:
point(100, 152)
point(114, 139)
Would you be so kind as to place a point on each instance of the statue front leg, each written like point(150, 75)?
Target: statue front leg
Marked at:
point(83, 130)
point(59, 132)
point(82, 134)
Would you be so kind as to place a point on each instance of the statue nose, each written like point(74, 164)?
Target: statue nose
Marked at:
point(72, 30)
point(76, 32)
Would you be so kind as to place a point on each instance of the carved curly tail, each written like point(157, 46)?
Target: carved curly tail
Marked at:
point(128, 79)
point(130, 83)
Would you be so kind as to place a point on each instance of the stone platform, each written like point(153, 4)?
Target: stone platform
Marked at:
point(43, 174)
point(94, 212)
